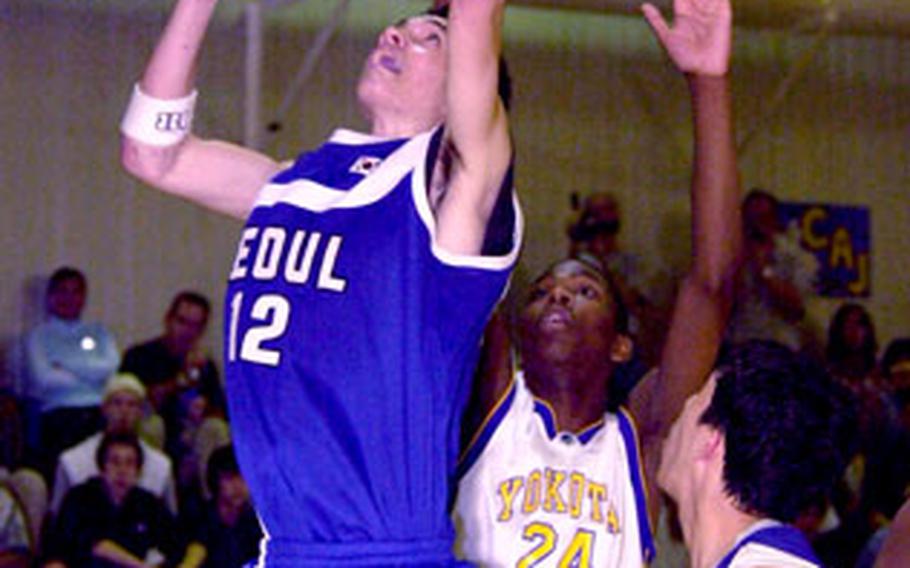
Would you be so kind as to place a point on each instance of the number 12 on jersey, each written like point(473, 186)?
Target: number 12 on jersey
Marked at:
point(269, 319)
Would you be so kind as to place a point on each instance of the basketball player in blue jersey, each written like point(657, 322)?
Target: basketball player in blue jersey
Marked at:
point(361, 285)
point(550, 478)
point(768, 435)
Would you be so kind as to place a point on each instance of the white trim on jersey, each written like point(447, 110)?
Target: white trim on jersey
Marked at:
point(313, 196)
point(760, 554)
point(421, 201)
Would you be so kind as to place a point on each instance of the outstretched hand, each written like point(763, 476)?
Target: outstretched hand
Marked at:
point(699, 40)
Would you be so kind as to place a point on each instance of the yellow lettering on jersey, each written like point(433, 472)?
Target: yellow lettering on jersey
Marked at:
point(546, 542)
point(553, 501)
point(612, 520)
point(597, 492)
point(532, 492)
point(508, 489)
point(578, 553)
point(576, 493)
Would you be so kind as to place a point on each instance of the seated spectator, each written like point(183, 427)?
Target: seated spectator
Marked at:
point(776, 277)
point(109, 520)
point(852, 346)
point(15, 540)
point(69, 362)
point(124, 398)
point(896, 366)
point(182, 380)
point(228, 534)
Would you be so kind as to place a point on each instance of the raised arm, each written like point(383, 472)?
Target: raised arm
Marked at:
point(478, 148)
point(699, 44)
point(217, 175)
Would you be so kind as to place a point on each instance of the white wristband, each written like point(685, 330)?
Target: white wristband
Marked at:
point(158, 122)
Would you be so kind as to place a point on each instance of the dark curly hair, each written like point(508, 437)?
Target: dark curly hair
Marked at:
point(789, 429)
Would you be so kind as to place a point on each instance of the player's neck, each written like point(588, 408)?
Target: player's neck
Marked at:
point(576, 396)
point(711, 528)
point(398, 125)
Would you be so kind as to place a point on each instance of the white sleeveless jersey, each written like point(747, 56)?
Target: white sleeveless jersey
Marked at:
point(532, 496)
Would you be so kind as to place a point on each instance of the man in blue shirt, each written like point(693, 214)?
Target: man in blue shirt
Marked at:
point(69, 363)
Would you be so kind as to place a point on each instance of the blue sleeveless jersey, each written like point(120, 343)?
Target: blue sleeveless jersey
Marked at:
point(350, 341)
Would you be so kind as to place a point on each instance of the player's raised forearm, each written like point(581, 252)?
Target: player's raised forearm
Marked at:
point(475, 32)
point(716, 225)
point(171, 68)
point(477, 125)
point(168, 75)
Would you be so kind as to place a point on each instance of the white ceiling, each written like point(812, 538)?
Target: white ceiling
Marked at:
point(875, 17)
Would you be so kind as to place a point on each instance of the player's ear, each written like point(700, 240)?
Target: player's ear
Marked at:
point(710, 443)
point(621, 350)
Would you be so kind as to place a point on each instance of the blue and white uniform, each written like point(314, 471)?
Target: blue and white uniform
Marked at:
point(770, 543)
point(351, 338)
point(534, 496)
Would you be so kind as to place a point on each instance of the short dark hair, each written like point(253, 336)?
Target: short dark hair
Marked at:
point(190, 297)
point(63, 274)
point(620, 310)
point(757, 193)
point(118, 438)
point(504, 82)
point(222, 462)
point(789, 429)
point(837, 348)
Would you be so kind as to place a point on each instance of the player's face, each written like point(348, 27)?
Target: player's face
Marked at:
point(683, 445)
point(406, 71)
point(569, 306)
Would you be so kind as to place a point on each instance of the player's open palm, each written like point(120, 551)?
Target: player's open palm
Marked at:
point(699, 39)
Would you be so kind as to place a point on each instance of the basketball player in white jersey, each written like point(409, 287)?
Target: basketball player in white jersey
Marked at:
point(550, 478)
point(768, 435)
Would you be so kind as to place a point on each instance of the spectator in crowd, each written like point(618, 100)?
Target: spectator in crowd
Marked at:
point(124, 400)
point(184, 388)
point(15, 541)
point(23, 492)
point(175, 367)
point(870, 491)
point(896, 366)
point(69, 362)
point(111, 521)
point(228, 534)
point(852, 346)
point(765, 438)
point(777, 277)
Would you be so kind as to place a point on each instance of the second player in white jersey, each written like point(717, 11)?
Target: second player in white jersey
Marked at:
point(536, 496)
